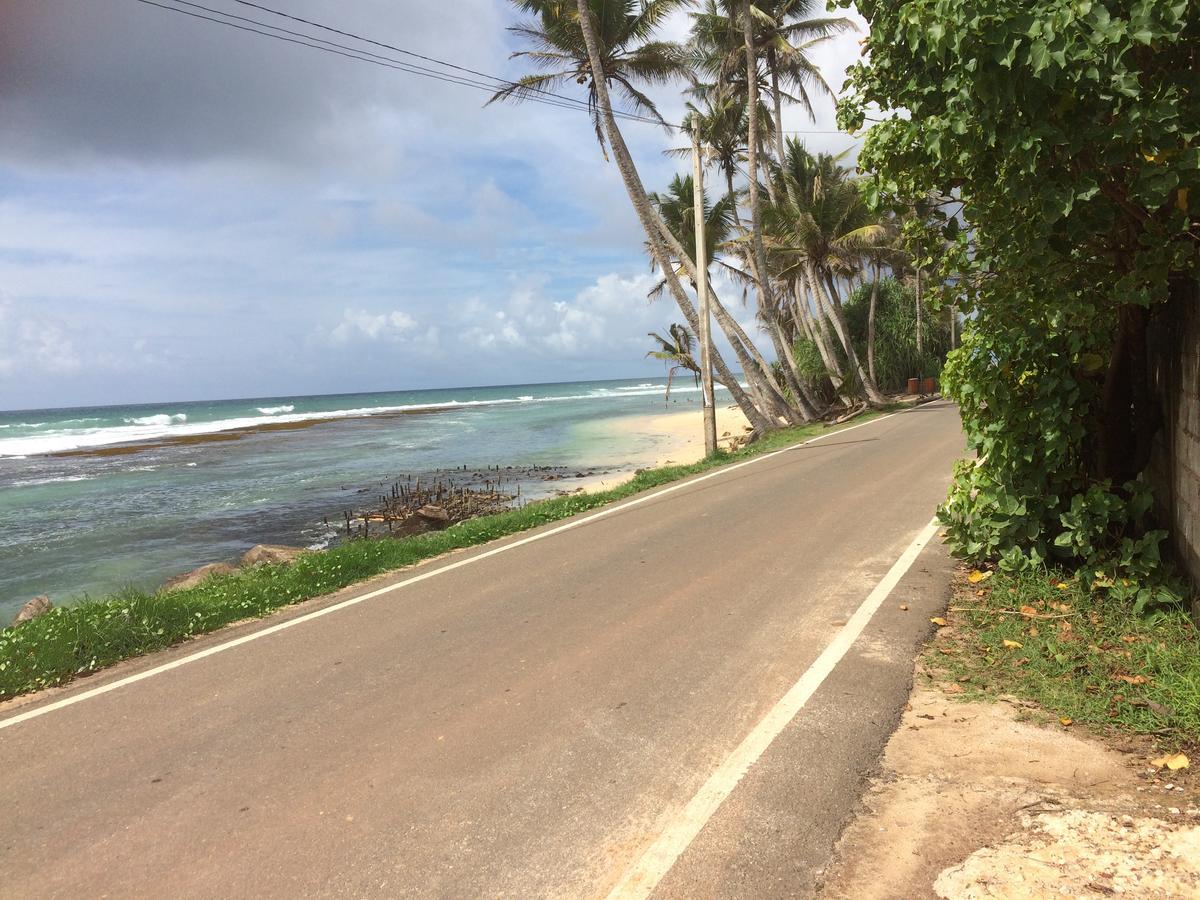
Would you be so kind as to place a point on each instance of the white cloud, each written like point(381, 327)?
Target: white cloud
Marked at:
point(373, 326)
point(35, 343)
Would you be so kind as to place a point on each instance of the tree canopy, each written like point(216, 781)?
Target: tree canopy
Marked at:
point(1057, 146)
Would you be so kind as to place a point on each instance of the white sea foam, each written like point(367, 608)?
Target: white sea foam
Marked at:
point(275, 410)
point(31, 482)
point(150, 428)
point(160, 419)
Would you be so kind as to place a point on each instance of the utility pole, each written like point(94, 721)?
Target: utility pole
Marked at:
point(705, 336)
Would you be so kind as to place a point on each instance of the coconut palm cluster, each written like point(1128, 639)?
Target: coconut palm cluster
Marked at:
point(836, 296)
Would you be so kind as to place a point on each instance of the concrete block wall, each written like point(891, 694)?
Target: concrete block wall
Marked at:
point(1175, 468)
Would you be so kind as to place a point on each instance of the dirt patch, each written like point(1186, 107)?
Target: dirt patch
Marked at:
point(973, 801)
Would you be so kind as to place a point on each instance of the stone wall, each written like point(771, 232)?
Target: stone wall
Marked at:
point(1175, 467)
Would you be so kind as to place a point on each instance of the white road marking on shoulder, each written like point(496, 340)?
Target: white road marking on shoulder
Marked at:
point(450, 567)
point(645, 874)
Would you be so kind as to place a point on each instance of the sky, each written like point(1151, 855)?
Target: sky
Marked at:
point(193, 212)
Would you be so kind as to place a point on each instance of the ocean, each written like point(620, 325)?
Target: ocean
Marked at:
point(100, 498)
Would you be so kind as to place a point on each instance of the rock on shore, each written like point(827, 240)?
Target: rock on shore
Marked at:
point(194, 577)
point(38, 606)
point(269, 555)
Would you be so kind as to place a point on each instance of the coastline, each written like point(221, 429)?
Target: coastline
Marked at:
point(657, 440)
point(67, 642)
point(193, 500)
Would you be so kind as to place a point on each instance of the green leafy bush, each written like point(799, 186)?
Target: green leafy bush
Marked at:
point(1058, 147)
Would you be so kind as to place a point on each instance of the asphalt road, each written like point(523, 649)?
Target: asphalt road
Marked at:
point(525, 725)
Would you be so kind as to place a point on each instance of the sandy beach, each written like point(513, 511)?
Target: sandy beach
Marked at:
point(661, 439)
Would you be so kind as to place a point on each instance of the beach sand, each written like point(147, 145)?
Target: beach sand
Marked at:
point(660, 439)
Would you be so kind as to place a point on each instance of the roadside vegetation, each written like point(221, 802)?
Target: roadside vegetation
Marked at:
point(74, 640)
point(1053, 149)
point(1078, 650)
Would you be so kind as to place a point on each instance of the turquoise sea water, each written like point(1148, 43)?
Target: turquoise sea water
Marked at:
point(92, 521)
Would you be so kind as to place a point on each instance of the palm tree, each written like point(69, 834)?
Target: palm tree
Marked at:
point(785, 32)
point(603, 42)
point(628, 56)
point(823, 226)
point(722, 129)
point(676, 352)
point(676, 208)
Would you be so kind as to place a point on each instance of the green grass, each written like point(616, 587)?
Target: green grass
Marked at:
point(1083, 655)
point(84, 637)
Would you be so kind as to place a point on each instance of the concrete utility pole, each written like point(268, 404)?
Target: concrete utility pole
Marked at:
point(705, 335)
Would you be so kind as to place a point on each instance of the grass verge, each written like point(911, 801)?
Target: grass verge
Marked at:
point(78, 639)
point(1078, 653)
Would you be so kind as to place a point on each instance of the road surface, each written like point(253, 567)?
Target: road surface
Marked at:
point(527, 724)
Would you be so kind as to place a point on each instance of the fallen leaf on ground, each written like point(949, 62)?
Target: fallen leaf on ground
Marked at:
point(1174, 762)
point(1062, 586)
point(1028, 611)
point(1012, 645)
point(1065, 721)
point(1132, 679)
point(938, 621)
point(952, 688)
point(1129, 638)
point(976, 576)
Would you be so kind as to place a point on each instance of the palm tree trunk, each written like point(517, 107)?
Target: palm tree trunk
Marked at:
point(920, 336)
point(825, 346)
point(756, 369)
point(767, 179)
point(737, 219)
point(871, 323)
point(838, 320)
point(766, 299)
point(772, 64)
point(800, 311)
point(787, 361)
point(650, 219)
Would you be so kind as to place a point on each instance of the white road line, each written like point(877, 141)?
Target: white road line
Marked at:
point(450, 567)
point(643, 877)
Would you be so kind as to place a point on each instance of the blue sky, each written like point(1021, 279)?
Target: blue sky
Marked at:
point(190, 212)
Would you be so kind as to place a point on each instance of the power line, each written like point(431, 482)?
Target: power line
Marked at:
point(450, 65)
point(492, 83)
point(305, 40)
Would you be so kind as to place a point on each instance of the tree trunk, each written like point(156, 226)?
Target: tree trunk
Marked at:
point(1129, 418)
point(920, 335)
point(825, 346)
point(737, 219)
point(734, 331)
point(774, 67)
point(766, 298)
point(787, 361)
point(871, 323)
point(650, 219)
point(838, 320)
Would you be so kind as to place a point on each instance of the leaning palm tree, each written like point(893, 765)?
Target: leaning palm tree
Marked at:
point(628, 55)
point(676, 207)
point(676, 352)
point(785, 32)
point(603, 44)
point(822, 224)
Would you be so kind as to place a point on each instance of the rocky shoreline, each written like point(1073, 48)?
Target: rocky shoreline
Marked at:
point(404, 506)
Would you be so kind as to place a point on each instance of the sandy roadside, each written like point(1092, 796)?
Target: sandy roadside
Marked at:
point(659, 439)
point(978, 800)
